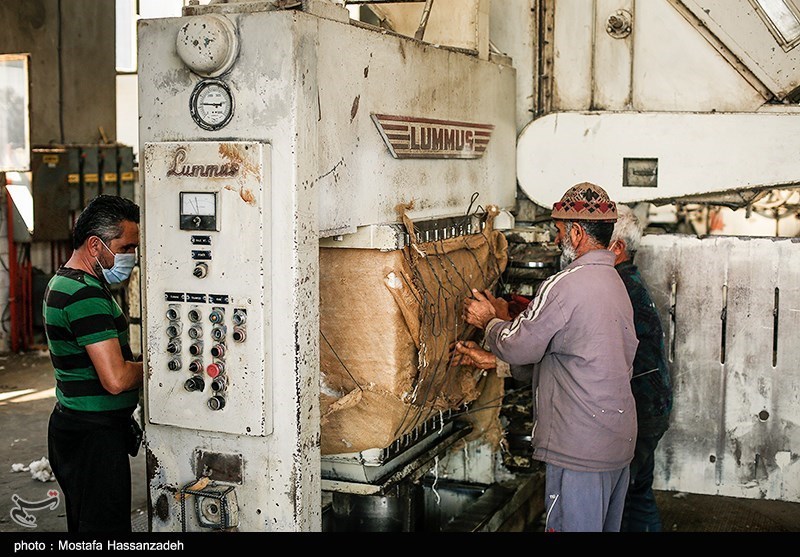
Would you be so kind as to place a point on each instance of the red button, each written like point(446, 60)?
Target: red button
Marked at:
point(213, 370)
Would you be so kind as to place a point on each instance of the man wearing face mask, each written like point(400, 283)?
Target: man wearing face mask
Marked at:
point(577, 340)
point(97, 381)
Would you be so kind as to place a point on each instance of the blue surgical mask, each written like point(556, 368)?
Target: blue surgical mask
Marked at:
point(123, 265)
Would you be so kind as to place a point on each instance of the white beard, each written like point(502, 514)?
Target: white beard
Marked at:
point(568, 253)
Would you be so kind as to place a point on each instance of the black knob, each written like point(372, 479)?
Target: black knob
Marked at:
point(195, 383)
point(174, 365)
point(196, 366)
point(200, 270)
point(216, 402)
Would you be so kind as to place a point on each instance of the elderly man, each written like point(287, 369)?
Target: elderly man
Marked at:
point(578, 333)
point(651, 383)
point(97, 381)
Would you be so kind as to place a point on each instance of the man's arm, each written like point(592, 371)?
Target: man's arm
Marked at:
point(116, 375)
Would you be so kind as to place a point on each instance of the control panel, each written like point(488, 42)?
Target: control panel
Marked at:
point(207, 284)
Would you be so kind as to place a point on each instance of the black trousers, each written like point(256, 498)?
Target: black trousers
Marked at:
point(89, 458)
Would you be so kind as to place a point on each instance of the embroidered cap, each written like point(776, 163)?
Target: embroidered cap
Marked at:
point(585, 201)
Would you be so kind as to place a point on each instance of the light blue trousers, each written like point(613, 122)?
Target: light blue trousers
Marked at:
point(584, 501)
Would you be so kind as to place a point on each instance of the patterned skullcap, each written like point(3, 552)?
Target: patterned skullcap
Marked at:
point(585, 201)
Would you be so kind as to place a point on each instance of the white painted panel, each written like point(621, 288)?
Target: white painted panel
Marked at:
point(239, 245)
point(697, 153)
point(359, 182)
point(676, 69)
point(572, 65)
point(733, 430)
point(511, 31)
point(738, 26)
point(613, 58)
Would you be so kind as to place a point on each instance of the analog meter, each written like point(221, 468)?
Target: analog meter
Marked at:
point(211, 104)
point(198, 210)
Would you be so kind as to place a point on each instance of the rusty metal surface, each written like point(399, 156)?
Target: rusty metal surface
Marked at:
point(730, 308)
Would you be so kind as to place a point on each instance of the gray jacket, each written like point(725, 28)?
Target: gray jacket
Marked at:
point(579, 333)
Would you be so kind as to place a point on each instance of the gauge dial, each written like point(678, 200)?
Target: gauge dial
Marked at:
point(211, 104)
point(198, 210)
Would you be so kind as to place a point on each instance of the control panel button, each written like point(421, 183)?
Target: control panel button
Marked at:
point(195, 383)
point(218, 350)
point(216, 402)
point(200, 270)
point(213, 370)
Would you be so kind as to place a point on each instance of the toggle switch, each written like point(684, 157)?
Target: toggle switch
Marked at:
point(174, 346)
point(196, 366)
point(195, 383)
point(174, 329)
point(200, 270)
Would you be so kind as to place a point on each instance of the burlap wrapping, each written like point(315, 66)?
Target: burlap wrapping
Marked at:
point(387, 324)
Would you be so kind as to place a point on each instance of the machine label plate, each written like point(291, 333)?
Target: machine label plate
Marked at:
point(424, 138)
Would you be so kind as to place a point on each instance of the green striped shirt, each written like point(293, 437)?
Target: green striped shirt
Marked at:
point(79, 310)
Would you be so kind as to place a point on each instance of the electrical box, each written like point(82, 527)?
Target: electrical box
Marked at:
point(125, 162)
point(90, 173)
point(109, 177)
point(208, 283)
point(50, 170)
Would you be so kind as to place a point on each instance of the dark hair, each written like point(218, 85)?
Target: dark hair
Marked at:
point(102, 217)
point(599, 231)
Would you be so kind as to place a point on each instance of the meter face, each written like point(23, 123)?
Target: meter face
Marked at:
point(198, 210)
point(211, 104)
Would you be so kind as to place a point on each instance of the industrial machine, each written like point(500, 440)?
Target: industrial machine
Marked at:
point(681, 103)
point(318, 199)
point(319, 195)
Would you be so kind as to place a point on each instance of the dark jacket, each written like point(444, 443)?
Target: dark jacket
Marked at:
point(651, 384)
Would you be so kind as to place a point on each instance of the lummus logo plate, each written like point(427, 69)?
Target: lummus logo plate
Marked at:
point(424, 138)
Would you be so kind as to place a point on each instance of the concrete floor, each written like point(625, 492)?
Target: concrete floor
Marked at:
point(26, 399)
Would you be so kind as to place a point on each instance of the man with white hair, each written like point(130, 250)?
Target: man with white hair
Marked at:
point(651, 384)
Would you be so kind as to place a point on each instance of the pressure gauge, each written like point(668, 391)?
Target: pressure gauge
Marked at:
point(211, 104)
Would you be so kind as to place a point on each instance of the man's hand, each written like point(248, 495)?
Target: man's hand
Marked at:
point(480, 309)
point(500, 306)
point(468, 353)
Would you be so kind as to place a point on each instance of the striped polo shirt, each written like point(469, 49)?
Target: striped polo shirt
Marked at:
point(78, 310)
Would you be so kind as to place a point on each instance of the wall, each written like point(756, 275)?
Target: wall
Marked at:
point(72, 80)
point(72, 67)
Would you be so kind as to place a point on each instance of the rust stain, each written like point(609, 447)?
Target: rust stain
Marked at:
point(247, 196)
point(236, 154)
